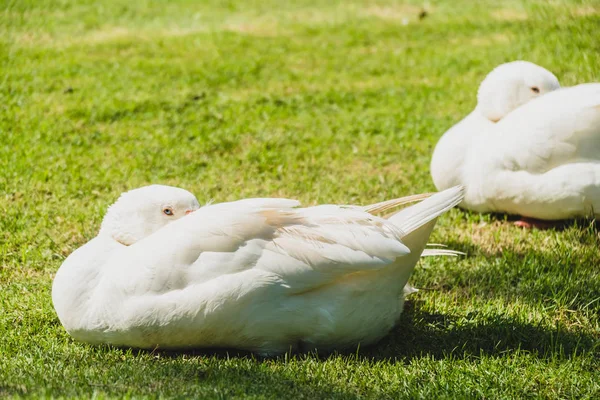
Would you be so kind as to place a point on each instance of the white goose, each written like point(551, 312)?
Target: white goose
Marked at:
point(523, 153)
point(256, 274)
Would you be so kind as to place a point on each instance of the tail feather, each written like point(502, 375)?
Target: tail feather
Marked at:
point(411, 218)
point(380, 208)
point(441, 252)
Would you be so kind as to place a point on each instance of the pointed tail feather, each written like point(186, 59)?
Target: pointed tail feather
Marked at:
point(412, 218)
point(441, 252)
point(384, 206)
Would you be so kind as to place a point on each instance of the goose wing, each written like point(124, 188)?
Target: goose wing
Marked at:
point(300, 248)
point(558, 128)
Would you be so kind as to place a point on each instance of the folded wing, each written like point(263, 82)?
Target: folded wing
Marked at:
point(560, 127)
point(301, 248)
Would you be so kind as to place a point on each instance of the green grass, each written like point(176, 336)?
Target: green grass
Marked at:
point(324, 101)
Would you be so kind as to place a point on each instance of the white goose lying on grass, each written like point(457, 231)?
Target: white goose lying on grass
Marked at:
point(540, 160)
point(256, 274)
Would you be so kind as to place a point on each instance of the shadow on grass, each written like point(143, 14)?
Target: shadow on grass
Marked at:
point(420, 333)
point(557, 278)
point(178, 376)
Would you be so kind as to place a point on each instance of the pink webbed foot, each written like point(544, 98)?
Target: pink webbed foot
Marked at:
point(532, 223)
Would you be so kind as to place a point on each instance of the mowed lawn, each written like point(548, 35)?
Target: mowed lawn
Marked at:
point(324, 101)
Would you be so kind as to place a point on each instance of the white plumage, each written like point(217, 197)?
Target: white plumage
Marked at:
point(256, 274)
point(540, 160)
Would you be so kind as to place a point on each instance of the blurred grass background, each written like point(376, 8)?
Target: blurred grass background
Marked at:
point(324, 101)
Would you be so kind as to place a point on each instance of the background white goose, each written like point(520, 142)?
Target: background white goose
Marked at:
point(522, 153)
point(256, 274)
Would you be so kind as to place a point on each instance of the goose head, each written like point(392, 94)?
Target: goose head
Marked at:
point(141, 212)
point(511, 85)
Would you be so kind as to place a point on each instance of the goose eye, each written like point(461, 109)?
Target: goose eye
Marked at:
point(535, 89)
point(168, 211)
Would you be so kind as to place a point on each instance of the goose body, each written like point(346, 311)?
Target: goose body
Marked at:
point(541, 159)
point(258, 274)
